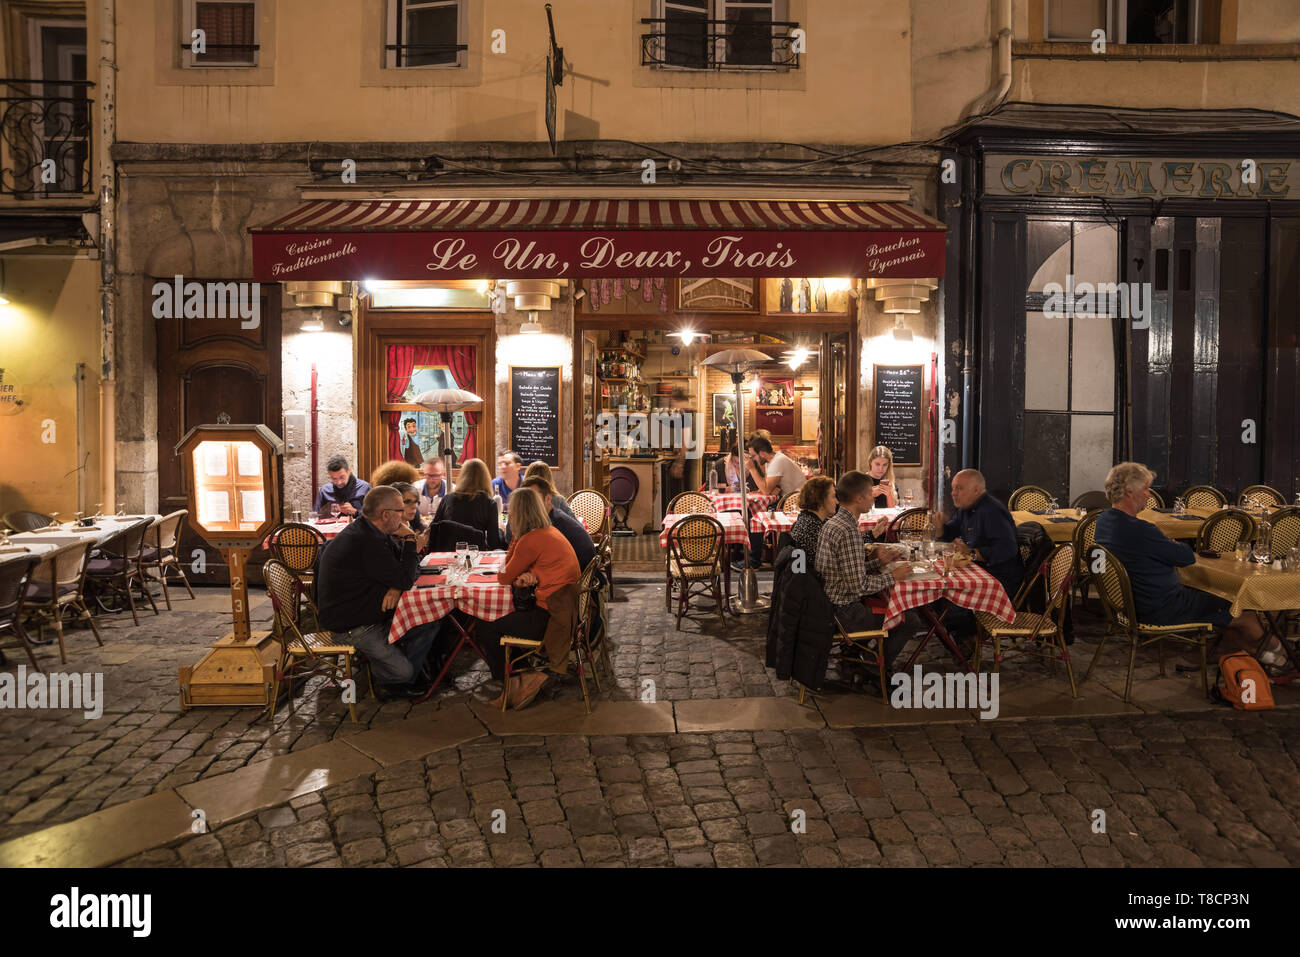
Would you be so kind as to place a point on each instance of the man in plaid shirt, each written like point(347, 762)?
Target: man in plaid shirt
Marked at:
point(848, 575)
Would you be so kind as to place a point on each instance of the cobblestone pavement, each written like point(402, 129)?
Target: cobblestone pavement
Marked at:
point(57, 766)
point(1220, 789)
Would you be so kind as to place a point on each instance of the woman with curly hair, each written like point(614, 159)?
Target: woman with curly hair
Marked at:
point(392, 471)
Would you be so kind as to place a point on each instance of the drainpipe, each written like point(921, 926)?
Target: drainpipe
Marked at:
point(314, 410)
point(107, 255)
point(998, 92)
point(970, 276)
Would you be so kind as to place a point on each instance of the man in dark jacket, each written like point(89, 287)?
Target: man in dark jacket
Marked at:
point(800, 629)
point(567, 525)
point(361, 576)
point(343, 489)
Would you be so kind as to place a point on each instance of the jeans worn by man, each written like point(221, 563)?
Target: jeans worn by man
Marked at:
point(360, 575)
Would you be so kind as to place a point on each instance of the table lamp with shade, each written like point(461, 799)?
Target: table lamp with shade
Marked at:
point(736, 362)
point(445, 402)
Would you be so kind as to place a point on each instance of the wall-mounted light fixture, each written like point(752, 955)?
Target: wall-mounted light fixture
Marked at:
point(307, 294)
point(901, 332)
point(902, 296)
point(532, 327)
point(315, 323)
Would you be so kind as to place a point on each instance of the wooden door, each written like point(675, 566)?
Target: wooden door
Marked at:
point(211, 371)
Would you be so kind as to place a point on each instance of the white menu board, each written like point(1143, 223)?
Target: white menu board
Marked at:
point(250, 459)
point(215, 509)
point(251, 506)
point(213, 459)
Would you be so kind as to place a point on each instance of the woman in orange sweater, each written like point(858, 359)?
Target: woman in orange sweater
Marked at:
point(540, 555)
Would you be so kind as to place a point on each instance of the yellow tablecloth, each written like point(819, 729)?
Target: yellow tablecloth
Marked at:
point(1248, 586)
point(1171, 525)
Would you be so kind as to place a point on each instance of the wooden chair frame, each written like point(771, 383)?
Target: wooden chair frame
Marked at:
point(1029, 498)
point(696, 503)
point(130, 541)
point(15, 574)
point(694, 558)
point(790, 504)
point(869, 643)
point(166, 533)
point(1117, 598)
point(584, 654)
point(1085, 534)
point(67, 566)
point(1028, 631)
point(1210, 537)
point(303, 656)
point(1154, 500)
point(908, 520)
point(1204, 496)
point(1286, 530)
point(1257, 495)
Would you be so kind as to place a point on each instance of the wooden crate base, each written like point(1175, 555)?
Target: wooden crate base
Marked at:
point(232, 673)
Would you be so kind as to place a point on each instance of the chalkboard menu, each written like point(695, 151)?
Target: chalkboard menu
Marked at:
point(535, 413)
point(898, 411)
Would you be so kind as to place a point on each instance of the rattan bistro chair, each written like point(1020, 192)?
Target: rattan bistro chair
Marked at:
point(690, 503)
point(1223, 530)
point(297, 546)
point(23, 521)
point(587, 658)
point(1154, 501)
point(694, 562)
point(1091, 500)
point(303, 656)
point(863, 647)
point(1258, 495)
point(790, 504)
point(1116, 592)
point(908, 520)
point(1029, 498)
point(1085, 534)
point(57, 586)
point(162, 555)
point(116, 569)
point(1032, 633)
point(594, 509)
point(15, 573)
point(1286, 531)
point(1204, 496)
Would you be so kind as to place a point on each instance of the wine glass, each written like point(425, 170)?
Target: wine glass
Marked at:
point(1052, 506)
point(462, 549)
point(1180, 506)
point(313, 516)
point(331, 510)
point(908, 497)
point(121, 509)
point(99, 511)
point(473, 556)
point(77, 519)
point(1261, 551)
point(54, 519)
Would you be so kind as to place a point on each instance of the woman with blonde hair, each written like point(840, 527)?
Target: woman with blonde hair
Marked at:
point(557, 501)
point(539, 556)
point(393, 471)
point(471, 503)
point(880, 470)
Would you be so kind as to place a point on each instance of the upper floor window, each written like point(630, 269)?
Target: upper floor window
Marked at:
point(719, 34)
point(425, 33)
point(1125, 21)
point(229, 37)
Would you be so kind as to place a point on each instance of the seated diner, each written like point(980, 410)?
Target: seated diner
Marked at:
point(471, 503)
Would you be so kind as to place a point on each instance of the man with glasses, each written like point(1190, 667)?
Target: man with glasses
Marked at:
point(360, 577)
point(434, 486)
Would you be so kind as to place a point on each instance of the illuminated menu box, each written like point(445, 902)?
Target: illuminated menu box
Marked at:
point(230, 488)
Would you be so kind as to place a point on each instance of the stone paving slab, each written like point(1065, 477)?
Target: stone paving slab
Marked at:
point(104, 837)
point(570, 717)
point(1215, 789)
point(746, 714)
point(400, 741)
point(229, 797)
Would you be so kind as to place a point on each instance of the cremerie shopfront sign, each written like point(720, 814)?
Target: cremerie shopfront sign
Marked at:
point(1140, 177)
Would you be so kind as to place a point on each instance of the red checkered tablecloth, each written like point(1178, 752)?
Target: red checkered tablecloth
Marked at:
point(971, 587)
point(730, 501)
point(487, 601)
point(779, 522)
point(733, 528)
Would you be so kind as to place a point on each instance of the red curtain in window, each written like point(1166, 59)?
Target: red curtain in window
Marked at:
point(403, 360)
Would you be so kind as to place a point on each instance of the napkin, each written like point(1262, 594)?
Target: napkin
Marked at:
point(1189, 518)
point(13, 549)
point(429, 581)
point(1059, 520)
point(476, 578)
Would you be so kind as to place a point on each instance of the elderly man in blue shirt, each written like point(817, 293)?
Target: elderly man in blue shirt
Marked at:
point(984, 528)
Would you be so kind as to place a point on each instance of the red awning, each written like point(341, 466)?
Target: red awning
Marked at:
point(564, 238)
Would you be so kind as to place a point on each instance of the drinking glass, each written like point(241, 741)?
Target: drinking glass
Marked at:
point(909, 496)
point(1261, 552)
point(1052, 506)
point(331, 510)
point(473, 556)
point(1180, 506)
point(54, 519)
point(99, 510)
point(1243, 551)
point(121, 508)
point(313, 517)
point(462, 549)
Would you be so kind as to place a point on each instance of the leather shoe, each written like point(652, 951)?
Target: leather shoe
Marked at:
point(407, 692)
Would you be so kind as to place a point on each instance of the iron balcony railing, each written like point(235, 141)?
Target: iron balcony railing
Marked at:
point(698, 44)
point(45, 138)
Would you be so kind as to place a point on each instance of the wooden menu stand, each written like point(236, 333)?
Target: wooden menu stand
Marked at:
point(232, 473)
